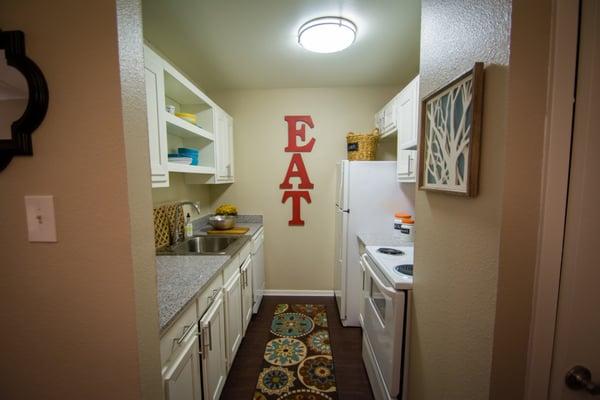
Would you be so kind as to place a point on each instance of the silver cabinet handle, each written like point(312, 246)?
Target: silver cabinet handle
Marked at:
point(186, 330)
point(212, 297)
point(209, 337)
point(409, 162)
point(203, 343)
point(579, 378)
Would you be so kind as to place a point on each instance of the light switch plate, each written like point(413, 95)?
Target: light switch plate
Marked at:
point(41, 223)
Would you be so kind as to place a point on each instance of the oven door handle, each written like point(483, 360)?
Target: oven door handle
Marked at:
point(387, 289)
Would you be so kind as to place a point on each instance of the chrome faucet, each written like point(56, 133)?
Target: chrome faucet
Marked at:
point(175, 233)
point(194, 204)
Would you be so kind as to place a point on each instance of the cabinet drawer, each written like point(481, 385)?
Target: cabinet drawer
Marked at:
point(232, 267)
point(206, 298)
point(245, 252)
point(172, 341)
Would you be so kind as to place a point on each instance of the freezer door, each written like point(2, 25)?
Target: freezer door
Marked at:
point(339, 267)
point(341, 199)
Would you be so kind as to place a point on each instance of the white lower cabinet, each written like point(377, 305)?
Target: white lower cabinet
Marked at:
point(182, 375)
point(233, 313)
point(247, 297)
point(258, 269)
point(197, 355)
point(213, 349)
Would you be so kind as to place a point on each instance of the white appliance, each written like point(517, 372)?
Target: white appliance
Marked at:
point(368, 195)
point(385, 315)
point(258, 268)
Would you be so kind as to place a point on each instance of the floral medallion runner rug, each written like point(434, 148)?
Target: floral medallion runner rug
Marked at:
point(298, 364)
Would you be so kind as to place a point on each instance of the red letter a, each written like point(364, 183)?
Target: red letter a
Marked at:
point(298, 172)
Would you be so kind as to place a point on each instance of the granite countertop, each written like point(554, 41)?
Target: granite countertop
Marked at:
point(180, 278)
point(254, 227)
point(380, 239)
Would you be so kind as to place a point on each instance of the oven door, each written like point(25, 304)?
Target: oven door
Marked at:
point(384, 325)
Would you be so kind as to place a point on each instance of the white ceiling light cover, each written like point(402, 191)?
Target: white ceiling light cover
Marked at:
point(327, 34)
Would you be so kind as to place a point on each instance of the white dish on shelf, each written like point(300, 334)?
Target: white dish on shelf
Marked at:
point(181, 160)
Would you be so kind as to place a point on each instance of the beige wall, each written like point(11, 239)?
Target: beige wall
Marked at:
point(178, 190)
point(296, 257)
point(457, 238)
point(527, 88)
point(68, 309)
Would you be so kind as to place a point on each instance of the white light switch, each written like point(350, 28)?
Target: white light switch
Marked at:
point(41, 223)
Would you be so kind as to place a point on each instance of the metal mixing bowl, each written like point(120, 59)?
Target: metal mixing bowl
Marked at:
point(222, 222)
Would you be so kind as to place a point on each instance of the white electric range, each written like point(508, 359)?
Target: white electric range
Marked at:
point(395, 262)
point(385, 318)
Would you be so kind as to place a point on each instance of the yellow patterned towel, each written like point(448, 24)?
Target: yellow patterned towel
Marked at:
point(168, 222)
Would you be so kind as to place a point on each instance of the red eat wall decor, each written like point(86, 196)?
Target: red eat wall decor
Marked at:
point(297, 131)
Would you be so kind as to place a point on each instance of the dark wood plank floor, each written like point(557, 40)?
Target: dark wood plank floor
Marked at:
point(350, 373)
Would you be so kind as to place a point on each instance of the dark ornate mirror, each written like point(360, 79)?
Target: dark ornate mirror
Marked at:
point(23, 97)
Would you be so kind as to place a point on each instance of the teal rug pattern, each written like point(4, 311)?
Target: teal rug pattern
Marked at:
point(298, 364)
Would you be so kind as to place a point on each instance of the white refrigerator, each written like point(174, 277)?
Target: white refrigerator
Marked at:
point(367, 197)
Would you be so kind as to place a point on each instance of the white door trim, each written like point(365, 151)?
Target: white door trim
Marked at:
point(555, 180)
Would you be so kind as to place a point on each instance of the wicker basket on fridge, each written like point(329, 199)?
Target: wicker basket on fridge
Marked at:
point(362, 146)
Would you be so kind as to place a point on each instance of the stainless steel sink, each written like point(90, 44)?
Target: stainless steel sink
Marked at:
point(206, 245)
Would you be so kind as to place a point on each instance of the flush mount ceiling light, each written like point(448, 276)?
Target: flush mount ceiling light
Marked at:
point(327, 34)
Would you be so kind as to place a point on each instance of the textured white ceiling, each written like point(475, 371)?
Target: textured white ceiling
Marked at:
point(252, 44)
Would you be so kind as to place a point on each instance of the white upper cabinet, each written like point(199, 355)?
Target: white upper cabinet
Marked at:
point(400, 116)
point(407, 115)
point(166, 87)
point(224, 142)
point(157, 133)
point(407, 166)
point(385, 119)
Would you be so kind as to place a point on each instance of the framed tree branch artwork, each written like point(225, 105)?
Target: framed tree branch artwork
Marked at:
point(450, 140)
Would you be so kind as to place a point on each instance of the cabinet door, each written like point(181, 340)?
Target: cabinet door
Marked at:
point(364, 295)
point(389, 116)
point(407, 165)
point(157, 129)
point(233, 316)
point(230, 157)
point(224, 147)
point(212, 331)
point(258, 270)
point(182, 375)
point(407, 115)
point(246, 271)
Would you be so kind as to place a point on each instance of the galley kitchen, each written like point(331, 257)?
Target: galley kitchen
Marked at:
point(293, 200)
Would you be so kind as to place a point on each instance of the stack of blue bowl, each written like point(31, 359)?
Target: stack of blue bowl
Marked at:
point(194, 154)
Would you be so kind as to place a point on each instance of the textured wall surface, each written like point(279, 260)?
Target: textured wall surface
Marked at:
point(68, 308)
point(296, 257)
point(135, 128)
point(457, 238)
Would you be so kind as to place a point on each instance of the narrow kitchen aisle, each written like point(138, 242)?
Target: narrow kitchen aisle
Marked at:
point(350, 373)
